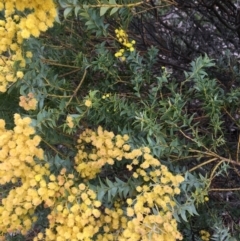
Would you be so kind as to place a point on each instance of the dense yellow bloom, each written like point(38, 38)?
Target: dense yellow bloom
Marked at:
point(122, 38)
point(75, 211)
point(138, 220)
point(107, 148)
point(22, 19)
point(28, 102)
point(69, 121)
point(19, 164)
point(205, 235)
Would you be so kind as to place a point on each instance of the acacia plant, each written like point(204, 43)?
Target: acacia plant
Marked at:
point(99, 141)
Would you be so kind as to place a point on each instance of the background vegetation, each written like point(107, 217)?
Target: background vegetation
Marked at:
point(166, 80)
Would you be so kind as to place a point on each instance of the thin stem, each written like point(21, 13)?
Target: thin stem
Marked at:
point(237, 157)
point(116, 5)
point(78, 87)
point(224, 189)
point(53, 148)
point(215, 168)
point(203, 164)
point(51, 62)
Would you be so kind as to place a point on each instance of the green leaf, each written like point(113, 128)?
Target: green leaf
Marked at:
point(119, 181)
point(103, 10)
point(183, 215)
point(100, 194)
point(114, 10)
point(67, 11)
point(112, 2)
point(114, 191)
point(57, 17)
point(63, 3)
point(110, 184)
point(76, 10)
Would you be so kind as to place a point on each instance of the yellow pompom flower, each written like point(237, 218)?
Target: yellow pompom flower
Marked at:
point(88, 103)
point(19, 74)
point(38, 177)
point(28, 102)
point(122, 38)
point(69, 121)
point(29, 54)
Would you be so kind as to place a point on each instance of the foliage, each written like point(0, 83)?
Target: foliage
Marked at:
point(97, 135)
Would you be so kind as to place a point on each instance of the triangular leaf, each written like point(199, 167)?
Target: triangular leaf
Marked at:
point(67, 11)
point(114, 191)
point(183, 215)
point(114, 10)
point(103, 10)
point(100, 194)
point(76, 10)
point(110, 184)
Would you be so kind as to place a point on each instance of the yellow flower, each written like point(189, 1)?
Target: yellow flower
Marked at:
point(96, 213)
point(130, 212)
point(69, 121)
point(28, 102)
point(71, 198)
point(139, 189)
point(52, 177)
point(42, 191)
point(51, 185)
point(179, 178)
point(25, 34)
point(38, 177)
point(19, 74)
point(176, 190)
point(122, 59)
point(40, 236)
point(135, 175)
point(29, 54)
point(82, 186)
point(59, 208)
point(84, 196)
point(206, 199)
point(129, 201)
point(88, 103)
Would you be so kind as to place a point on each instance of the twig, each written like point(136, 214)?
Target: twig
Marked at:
point(238, 148)
point(224, 189)
point(203, 164)
point(215, 168)
point(78, 87)
point(52, 62)
point(53, 148)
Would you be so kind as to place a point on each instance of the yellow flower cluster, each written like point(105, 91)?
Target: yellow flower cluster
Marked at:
point(18, 152)
point(113, 222)
point(201, 195)
point(205, 235)
point(69, 121)
point(156, 194)
point(105, 148)
point(149, 214)
point(75, 212)
point(145, 224)
point(122, 38)
point(28, 102)
point(22, 19)
point(7, 74)
point(105, 96)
